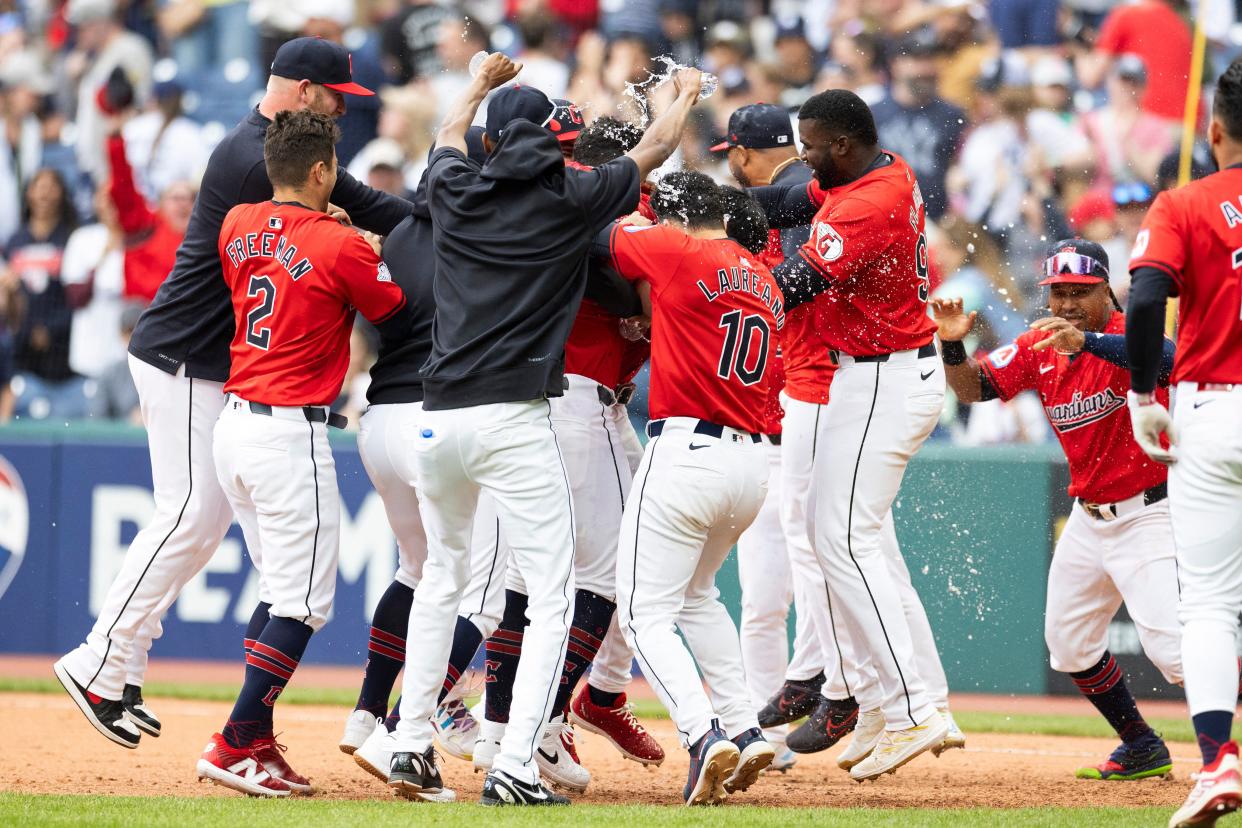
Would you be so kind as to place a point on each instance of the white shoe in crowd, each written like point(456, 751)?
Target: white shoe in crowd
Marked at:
point(558, 760)
point(358, 727)
point(487, 745)
point(897, 747)
point(955, 737)
point(375, 757)
point(456, 729)
point(866, 733)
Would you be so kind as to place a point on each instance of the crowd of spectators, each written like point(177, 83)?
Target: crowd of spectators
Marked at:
point(1026, 121)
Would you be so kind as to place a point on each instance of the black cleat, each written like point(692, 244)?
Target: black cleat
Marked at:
point(137, 712)
point(831, 721)
point(412, 774)
point(105, 715)
point(794, 700)
point(502, 789)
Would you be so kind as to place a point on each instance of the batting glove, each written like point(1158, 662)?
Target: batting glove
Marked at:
point(1150, 419)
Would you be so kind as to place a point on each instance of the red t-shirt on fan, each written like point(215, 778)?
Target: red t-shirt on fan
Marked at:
point(867, 241)
point(1085, 401)
point(716, 316)
point(1194, 234)
point(296, 277)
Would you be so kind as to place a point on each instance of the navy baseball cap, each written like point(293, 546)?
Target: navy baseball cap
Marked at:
point(758, 126)
point(318, 61)
point(566, 120)
point(518, 103)
point(1075, 262)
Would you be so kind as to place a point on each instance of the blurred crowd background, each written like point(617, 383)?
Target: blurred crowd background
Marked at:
point(1026, 121)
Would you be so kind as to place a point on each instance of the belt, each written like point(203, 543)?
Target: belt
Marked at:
point(774, 439)
point(313, 414)
point(1113, 511)
point(928, 350)
point(656, 427)
point(620, 396)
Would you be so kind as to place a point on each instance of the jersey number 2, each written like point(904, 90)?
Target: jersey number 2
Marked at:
point(256, 334)
point(739, 336)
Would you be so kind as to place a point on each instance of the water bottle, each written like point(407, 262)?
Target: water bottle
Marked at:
point(476, 62)
point(707, 85)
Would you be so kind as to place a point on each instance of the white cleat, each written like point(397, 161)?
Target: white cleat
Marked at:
point(955, 738)
point(456, 729)
point(558, 760)
point(866, 734)
point(897, 747)
point(358, 727)
point(1217, 791)
point(487, 745)
point(375, 757)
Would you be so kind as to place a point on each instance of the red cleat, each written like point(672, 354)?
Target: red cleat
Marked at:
point(617, 725)
point(239, 769)
point(271, 754)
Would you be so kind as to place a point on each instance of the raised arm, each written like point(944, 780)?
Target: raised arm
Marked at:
point(664, 134)
point(496, 71)
point(786, 205)
point(962, 372)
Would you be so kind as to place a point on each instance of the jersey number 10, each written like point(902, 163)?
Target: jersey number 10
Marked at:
point(736, 353)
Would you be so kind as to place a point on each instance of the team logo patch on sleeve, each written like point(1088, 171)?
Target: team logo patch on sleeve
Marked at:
point(828, 242)
point(382, 275)
point(1140, 244)
point(1003, 356)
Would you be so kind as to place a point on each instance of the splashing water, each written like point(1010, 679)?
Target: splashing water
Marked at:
point(654, 80)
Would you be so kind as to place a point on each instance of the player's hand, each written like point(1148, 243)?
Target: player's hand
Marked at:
point(1150, 419)
point(637, 219)
point(687, 82)
point(952, 318)
point(375, 241)
point(1064, 336)
point(635, 328)
point(498, 70)
point(340, 215)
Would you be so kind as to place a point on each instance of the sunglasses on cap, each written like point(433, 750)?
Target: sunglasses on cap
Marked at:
point(1075, 264)
point(1136, 193)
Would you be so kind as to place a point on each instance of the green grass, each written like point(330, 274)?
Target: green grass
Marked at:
point(101, 811)
point(1087, 725)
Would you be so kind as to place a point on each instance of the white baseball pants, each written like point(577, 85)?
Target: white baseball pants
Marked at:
point(1098, 564)
point(191, 518)
point(768, 587)
point(386, 437)
point(693, 497)
point(509, 450)
point(880, 414)
point(279, 475)
point(1205, 503)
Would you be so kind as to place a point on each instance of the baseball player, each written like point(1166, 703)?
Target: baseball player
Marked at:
point(1189, 247)
point(497, 345)
point(395, 395)
point(865, 270)
point(1117, 544)
point(761, 150)
point(296, 276)
point(716, 314)
point(600, 449)
point(179, 356)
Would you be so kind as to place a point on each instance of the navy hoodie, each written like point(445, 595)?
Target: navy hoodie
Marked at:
point(511, 240)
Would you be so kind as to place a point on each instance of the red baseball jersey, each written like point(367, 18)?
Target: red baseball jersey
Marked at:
point(805, 363)
point(595, 347)
point(1194, 234)
point(1085, 401)
point(716, 316)
point(867, 241)
point(296, 277)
